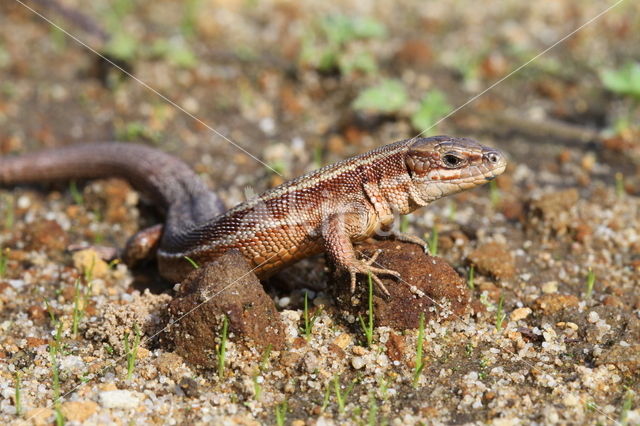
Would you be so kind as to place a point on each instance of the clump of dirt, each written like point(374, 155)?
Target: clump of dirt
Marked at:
point(494, 259)
point(428, 285)
point(226, 287)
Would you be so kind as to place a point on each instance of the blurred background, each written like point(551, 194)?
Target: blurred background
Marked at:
point(301, 84)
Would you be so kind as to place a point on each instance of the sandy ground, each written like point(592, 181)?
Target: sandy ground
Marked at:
point(557, 350)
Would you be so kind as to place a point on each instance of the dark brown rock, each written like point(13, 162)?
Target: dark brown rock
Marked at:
point(445, 293)
point(190, 387)
point(395, 347)
point(36, 313)
point(225, 287)
point(494, 259)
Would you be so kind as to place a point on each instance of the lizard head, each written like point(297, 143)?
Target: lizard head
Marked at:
point(443, 165)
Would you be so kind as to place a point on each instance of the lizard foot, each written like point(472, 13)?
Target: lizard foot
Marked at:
point(365, 268)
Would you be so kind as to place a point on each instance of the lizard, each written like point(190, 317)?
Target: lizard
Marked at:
point(327, 210)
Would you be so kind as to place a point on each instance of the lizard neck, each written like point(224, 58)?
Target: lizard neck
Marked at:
point(396, 186)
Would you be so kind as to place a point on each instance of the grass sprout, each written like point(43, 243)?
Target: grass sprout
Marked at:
point(55, 373)
point(341, 396)
point(591, 281)
point(4, 259)
point(131, 350)
point(619, 185)
point(257, 381)
point(9, 217)
point(372, 418)
point(18, 393)
point(494, 194)
point(626, 407)
point(192, 262)
point(404, 224)
point(281, 412)
point(433, 242)
point(368, 327)
point(471, 278)
point(75, 193)
point(308, 321)
point(222, 348)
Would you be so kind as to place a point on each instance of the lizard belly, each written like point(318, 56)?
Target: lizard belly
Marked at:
point(267, 251)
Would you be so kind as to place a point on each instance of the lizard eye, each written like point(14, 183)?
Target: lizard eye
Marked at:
point(452, 161)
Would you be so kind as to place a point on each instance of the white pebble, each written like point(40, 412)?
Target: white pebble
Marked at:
point(118, 399)
point(357, 362)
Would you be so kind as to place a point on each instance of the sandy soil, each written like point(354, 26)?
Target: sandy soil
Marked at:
point(271, 77)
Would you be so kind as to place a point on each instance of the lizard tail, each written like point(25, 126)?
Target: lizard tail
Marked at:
point(168, 181)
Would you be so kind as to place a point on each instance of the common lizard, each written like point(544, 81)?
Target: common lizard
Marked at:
point(325, 210)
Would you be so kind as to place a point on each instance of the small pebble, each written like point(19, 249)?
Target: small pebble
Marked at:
point(118, 399)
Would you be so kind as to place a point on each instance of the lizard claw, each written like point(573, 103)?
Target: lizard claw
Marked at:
point(366, 268)
point(410, 238)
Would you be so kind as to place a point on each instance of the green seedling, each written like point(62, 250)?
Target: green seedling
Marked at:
point(372, 418)
point(257, 387)
point(18, 393)
point(368, 327)
point(8, 211)
point(419, 361)
point(327, 394)
point(624, 81)
point(318, 154)
point(471, 278)
point(341, 397)
point(78, 308)
point(404, 224)
point(452, 211)
point(626, 407)
point(433, 241)
point(591, 281)
point(432, 109)
point(494, 194)
point(619, 185)
point(131, 350)
point(363, 62)
point(76, 195)
point(308, 321)
point(500, 314)
point(222, 348)
point(4, 259)
point(383, 388)
point(53, 356)
point(388, 97)
point(281, 412)
point(327, 48)
point(192, 262)
point(188, 25)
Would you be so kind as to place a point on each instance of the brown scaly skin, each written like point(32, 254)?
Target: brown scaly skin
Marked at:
point(325, 210)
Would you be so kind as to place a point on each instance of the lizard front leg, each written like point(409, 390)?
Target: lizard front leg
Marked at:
point(337, 242)
point(386, 217)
